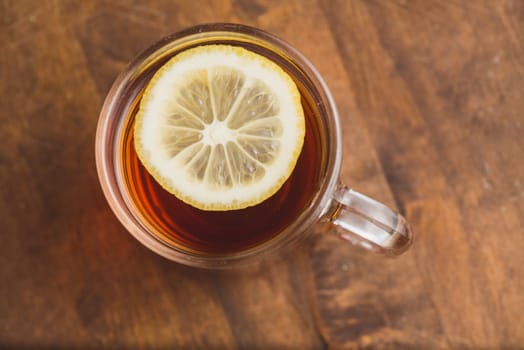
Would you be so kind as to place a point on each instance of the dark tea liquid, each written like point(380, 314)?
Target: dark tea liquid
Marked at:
point(222, 232)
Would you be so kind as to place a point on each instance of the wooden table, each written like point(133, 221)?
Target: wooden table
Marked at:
point(431, 95)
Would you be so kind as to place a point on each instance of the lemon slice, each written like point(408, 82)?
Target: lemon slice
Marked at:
point(220, 127)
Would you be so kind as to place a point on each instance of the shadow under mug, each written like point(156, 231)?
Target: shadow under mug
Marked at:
point(331, 208)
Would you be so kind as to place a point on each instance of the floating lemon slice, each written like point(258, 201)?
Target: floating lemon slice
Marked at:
point(220, 127)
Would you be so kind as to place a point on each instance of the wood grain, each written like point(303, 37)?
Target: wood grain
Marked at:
point(431, 100)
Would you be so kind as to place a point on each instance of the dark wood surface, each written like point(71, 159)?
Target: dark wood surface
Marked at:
point(431, 95)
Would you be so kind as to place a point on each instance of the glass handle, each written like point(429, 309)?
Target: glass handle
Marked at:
point(368, 223)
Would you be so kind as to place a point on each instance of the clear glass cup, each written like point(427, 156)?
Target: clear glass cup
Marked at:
point(333, 208)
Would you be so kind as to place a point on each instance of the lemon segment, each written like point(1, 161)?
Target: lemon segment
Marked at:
point(220, 127)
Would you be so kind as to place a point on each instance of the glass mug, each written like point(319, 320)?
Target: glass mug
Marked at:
point(312, 200)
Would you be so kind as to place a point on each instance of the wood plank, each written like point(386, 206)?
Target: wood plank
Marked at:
point(105, 289)
point(446, 135)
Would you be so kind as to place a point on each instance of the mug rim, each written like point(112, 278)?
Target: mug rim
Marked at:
point(106, 163)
